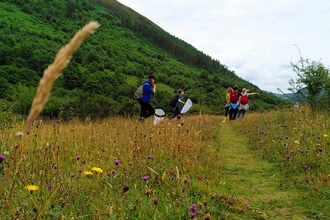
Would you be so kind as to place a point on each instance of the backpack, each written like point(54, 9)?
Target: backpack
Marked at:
point(233, 97)
point(138, 94)
point(174, 100)
point(244, 99)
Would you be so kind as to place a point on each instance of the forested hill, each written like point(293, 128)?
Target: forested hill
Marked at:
point(106, 70)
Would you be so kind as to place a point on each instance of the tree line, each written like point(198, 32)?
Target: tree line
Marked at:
point(105, 71)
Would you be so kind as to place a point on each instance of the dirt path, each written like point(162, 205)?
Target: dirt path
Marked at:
point(252, 179)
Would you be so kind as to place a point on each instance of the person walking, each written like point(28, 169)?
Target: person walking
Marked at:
point(229, 90)
point(149, 89)
point(176, 111)
point(243, 102)
point(233, 108)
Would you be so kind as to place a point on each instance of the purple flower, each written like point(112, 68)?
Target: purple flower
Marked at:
point(305, 167)
point(149, 156)
point(192, 215)
point(130, 163)
point(306, 179)
point(78, 157)
point(2, 158)
point(145, 178)
point(49, 186)
point(192, 207)
point(83, 161)
point(72, 109)
point(54, 166)
point(58, 121)
point(117, 162)
point(287, 156)
point(286, 137)
point(320, 149)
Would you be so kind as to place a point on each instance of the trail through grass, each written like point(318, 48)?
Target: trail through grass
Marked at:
point(252, 179)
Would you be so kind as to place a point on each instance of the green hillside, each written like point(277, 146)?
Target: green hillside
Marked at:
point(106, 70)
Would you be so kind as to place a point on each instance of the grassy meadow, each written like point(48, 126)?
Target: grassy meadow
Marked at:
point(117, 168)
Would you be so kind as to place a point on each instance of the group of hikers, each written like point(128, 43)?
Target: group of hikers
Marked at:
point(149, 89)
point(236, 102)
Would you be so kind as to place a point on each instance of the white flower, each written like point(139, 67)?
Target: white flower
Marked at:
point(19, 134)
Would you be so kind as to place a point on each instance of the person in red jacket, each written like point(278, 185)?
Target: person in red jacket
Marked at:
point(243, 102)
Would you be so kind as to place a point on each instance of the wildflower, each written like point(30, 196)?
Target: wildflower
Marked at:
point(78, 157)
point(306, 179)
point(88, 173)
point(31, 188)
point(296, 142)
point(149, 156)
point(318, 137)
point(125, 189)
point(130, 163)
point(325, 135)
point(72, 109)
point(286, 137)
point(207, 217)
point(320, 149)
point(117, 162)
point(19, 134)
point(6, 152)
point(287, 156)
point(155, 200)
point(186, 180)
point(305, 167)
point(192, 215)
point(54, 166)
point(98, 170)
point(145, 178)
point(49, 186)
point(192, 207)
point(83, 161)
point(2, 158)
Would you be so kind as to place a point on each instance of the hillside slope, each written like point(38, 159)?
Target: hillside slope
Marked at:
point(109, 65)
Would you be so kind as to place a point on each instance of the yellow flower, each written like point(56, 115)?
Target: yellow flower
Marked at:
point(96, 169)
point(32, 188)
point(273, 140)
point(88, 173)
point(296, 142)
point(325, 135)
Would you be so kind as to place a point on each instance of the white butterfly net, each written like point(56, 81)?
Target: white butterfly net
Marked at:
point(159, 115)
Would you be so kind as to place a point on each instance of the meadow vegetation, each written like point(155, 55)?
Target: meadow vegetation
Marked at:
point(117, 168)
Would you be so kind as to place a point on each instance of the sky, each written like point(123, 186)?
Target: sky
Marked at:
point(254, 38)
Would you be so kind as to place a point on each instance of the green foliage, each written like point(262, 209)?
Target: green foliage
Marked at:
point(126, 45)
point(315, 77)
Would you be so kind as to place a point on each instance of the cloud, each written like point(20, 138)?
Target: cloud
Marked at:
point(254, 38)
